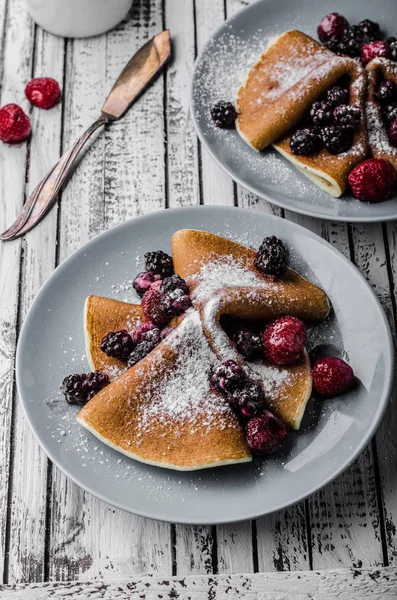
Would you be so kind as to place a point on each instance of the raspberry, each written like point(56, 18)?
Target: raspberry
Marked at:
point(228, 377)
point(389, 112)
point(248, 399)
point(143, 281)
point(347, 115)
point(337, 139)
point(370, 30)
point(247, 342)
point(321, 113)
point(14, 124)
point(331, 27)
point(138, 334)
point(43, 92)
point(337, 95)
point(224, 114)
point(372, 180)
point(385, 92)
point(283, 340)
point(159, 263)
point(271, 257)
point(305, 142)
point(151, 339)
point(265, 434)
point(374, 50)
point(117, 344)
point(392, 133)
point(332, 376)
point(151, 305)
point(80, 388)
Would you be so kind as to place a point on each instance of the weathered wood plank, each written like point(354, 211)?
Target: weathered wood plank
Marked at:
point(16, 67)
point(378, 584)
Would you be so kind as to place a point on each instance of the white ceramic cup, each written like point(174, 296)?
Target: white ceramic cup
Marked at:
point(78, 18)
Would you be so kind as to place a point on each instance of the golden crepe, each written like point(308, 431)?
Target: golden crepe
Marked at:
point(378, 70)
point(293, 72)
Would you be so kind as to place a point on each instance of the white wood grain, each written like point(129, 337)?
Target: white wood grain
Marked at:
point(377, 584)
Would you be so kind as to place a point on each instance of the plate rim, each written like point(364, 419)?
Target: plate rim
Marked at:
point(235, 177)
point(381, 408)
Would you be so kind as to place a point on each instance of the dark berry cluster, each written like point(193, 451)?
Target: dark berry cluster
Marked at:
point(224, 114)
point(148, 342)
point(117, 344)
point(166, 299)
point(244, 396)
point(132, 347)
point(81, 387)
point(386, 95)
point(159, 263)
point(271, 258)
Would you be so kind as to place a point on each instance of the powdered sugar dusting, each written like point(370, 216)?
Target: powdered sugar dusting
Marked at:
point(377, 134)
point(272, 377)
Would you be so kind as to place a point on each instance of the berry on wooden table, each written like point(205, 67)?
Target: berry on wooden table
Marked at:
point(43, 92)
point(15, 125)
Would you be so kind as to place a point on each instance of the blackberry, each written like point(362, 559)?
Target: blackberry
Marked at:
point(333, 45)
point(170, 284)
point(321, 113)
point(224, 114)
point(305, 142)
point(391, 40)
point(143, 281)
point(337, 95)
point(159, 263)
point(271, 258)
point(139, 333)
point(370, 30)
point(385, 92)
point(351, 42)
point(347, 115)
point(392, 133)
point(389, 112)
point(118, 344)
point(175, 303)
point(337, 139)
point(247, 342)
point(80, 388)
point(248, 399)
point(393, 50)
point(149, 343)
point(228, 377)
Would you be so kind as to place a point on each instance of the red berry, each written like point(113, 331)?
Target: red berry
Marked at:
point(372, 180)
point(331, 27)
point(43, 92)
point(265, 434)
point(283, 340)
point(374, 50)
point(332, 376)
point(151, 305)
point(14, 124)
point(392, 133)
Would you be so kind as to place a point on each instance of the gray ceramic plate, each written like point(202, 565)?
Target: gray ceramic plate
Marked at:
point(219, 72)
point(51, 346)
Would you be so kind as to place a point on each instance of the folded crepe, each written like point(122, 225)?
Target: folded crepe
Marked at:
point(378, 70)
point(293, 72)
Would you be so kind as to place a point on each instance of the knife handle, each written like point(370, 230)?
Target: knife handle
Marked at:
point(44, 195)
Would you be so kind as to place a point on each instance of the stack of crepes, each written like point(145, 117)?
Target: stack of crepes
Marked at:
point(163, 411)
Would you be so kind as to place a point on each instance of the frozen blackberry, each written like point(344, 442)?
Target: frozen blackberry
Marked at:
point(248, 399)
point(228, 377)
point(143, 281)
point(321, 113)
point(385, 92)
point(351, 41)
point(247, 342)
point(337, 95)
point(224, 114)
point(139, 333)
point(347, 115)
point(149, 343)
point(80, 388)
point(337, 139)
point(170, 284)
point(271, 258)
point(117, 344)
point(393, 50)
point(370, 30)
point(175, 303)
point(389, 112)
point(159, 263)
point(305, 142)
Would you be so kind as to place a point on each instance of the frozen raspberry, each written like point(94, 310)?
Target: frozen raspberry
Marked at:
point(143, 281)
point(332, 376)
point(80, 388)
point(248, 399)
point(159, 263)
point(374, 50)
point(228, 376)
point(347, 115)
point(392, 133)
point(151, 340)
point(305, 142)
point(385, 92)
point(337, 139)
point(43, 92)
point(14, 124)
point(271, 258)
point(138, 334)
point(321, 113)
point(224, 114)
point(389, 112)
point(170, 284)
point(247, 342)
point(283, 340)
point(151, 305)
point(337, 95)
point(331, 27)
point(372, 180)
point(118, 344)
point(393, 49)
point(265, 434)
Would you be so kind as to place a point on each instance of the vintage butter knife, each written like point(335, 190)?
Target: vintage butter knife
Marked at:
point(133, 80)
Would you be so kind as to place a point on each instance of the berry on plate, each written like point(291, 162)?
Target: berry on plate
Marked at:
point(332, 376)
point(118, 344)
point(271, 258)
point(247, 342)
point(337, 95)
point(14, 124)
point(305, 142)
point(43, 92)
point(392, 133)
point(337, 139)
point(143, 281)
point(385, 92)
point(372, 180)
point(80, 388)
point(347, 115)
point(228, 377)
point(265, 434)
point(248, 399)
point(148, 342)
point(159, 263)
point(377, 49)
point(283, 340)
point(224, 114)
point(332, 27)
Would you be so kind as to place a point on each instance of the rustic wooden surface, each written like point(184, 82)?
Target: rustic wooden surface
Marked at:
point(50, 530)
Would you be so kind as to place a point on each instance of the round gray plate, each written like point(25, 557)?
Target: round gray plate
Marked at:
point(220, 70)
point(51, 346)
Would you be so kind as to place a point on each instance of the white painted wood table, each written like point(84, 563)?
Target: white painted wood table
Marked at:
point(50, 530)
